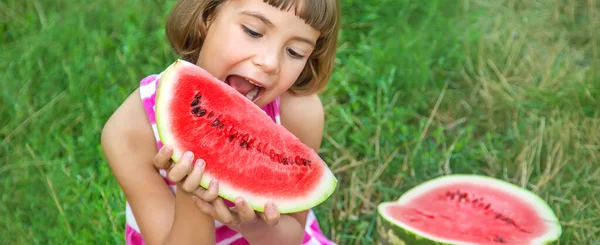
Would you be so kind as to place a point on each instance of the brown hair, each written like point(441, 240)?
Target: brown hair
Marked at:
point(186, 30)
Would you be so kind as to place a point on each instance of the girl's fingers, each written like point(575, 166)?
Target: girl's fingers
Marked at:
point(271, 215)
point(192, 182)
point(182, 168)
point(225, 215)
point(205, 207)
point(162, 160)
point(208, 195)
point(245, 212)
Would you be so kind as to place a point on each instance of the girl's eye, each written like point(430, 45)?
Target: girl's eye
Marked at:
point(294, 54)
point(251, 32)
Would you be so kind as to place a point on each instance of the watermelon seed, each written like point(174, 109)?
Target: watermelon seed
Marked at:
point(251, 143)
point(244, 143)
point(216, 122)
point(198, 96)
point(195, 103)
point(210, 115)
point(195, 110)
point(499, 239)
point(306, 162)
point(201, 113)
point(221, 126)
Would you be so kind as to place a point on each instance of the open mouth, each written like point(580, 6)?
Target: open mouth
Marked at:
point(246, 87)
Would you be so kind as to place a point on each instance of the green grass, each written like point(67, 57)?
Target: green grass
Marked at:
point(503, 88)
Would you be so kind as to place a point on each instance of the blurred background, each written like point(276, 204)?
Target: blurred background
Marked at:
point(505, 88)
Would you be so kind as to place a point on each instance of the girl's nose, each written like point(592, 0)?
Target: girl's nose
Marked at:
point(268, 60)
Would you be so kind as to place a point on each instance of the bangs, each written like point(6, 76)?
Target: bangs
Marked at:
point(319, 14)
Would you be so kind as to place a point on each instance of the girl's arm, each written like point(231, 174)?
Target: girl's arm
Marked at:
point(130, 147)
point(190, 226)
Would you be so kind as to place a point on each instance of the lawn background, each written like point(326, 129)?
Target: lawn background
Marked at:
point(504, 88)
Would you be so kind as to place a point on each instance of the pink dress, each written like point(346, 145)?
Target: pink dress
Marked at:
point(224, 235)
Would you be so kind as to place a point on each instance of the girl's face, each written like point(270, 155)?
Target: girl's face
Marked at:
point(256, 48)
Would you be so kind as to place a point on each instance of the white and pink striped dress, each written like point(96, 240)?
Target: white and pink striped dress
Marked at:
point(224, 235)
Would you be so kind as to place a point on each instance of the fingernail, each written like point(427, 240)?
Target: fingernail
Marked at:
point(239, 201)
point(199, 165)
point(214, 184)
point(194, 198)
point(166, 149)
point(272, 207)
point(188, 155)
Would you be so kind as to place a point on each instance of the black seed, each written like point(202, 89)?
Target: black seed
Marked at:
point(215, 122)
point(195, 103)
point(210, 115)
point(198, 97)
point(195, 110)
point(201, 113)
point(221, 126)
point(244, 144)
point(499, 239)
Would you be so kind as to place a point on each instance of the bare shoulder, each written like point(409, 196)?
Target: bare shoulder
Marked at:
point(303, 115)
point(128, 126)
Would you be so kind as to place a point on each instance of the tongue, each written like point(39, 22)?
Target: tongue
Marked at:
point(240, 84)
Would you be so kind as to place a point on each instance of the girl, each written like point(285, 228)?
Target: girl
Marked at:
point(279, 54)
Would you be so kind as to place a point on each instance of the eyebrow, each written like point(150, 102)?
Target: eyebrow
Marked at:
point(270, 24)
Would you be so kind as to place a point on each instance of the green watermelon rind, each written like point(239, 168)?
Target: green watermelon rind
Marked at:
point(391, 234)
point(328, 182)
point(554, 229)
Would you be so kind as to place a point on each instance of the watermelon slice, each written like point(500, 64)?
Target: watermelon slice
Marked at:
point(250, 155)
point(468, 209)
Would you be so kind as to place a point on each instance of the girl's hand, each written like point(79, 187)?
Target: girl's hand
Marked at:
point(185, 174)
point(242, 216)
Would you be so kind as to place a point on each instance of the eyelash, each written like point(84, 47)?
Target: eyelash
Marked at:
point(294, 54)
point(254, 34)
point(251, 32)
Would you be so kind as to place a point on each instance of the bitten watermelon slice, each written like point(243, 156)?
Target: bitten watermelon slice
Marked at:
point(468, 209)
point(250, 155)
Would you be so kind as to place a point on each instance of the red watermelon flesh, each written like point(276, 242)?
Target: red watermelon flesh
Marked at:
point(250, 155)
point(463, 209)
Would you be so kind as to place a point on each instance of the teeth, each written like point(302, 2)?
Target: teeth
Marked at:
point(252, 82)
point(252, 94)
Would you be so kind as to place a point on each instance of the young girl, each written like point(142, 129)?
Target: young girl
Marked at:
point(279, 54)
